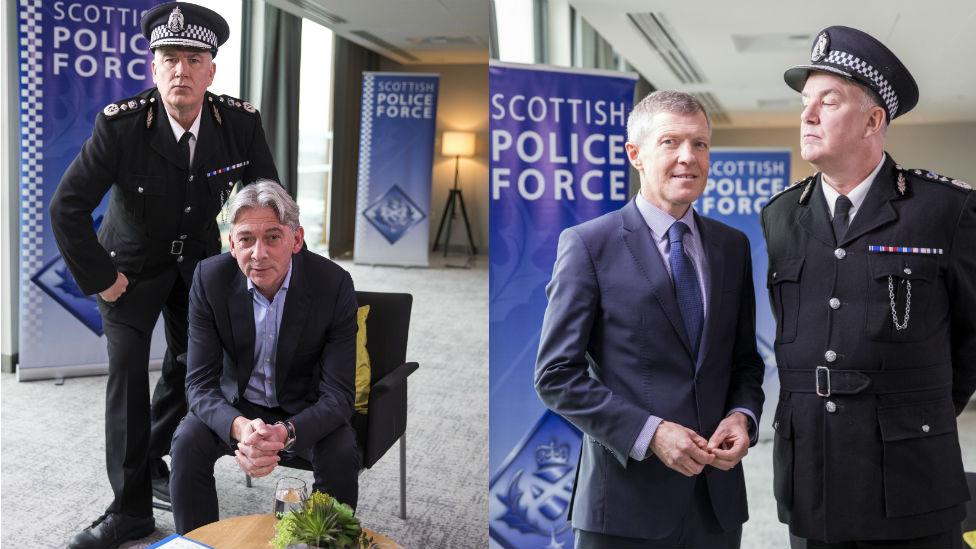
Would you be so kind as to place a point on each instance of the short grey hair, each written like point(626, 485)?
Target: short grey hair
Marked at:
point(266, 193)
point(639, 121)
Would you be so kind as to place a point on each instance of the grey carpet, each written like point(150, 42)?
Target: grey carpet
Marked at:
point(52, 437)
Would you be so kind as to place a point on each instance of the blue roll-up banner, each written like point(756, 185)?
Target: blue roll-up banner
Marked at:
point(75, 58)
point(557, 159)
point(396, 156)
point(740, 183)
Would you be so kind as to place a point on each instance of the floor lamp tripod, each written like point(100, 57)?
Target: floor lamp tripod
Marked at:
point(456, 144)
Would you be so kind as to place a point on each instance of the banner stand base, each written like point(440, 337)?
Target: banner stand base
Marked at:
point(59, 373)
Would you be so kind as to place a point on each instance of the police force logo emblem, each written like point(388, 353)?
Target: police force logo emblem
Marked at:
point(176, 24)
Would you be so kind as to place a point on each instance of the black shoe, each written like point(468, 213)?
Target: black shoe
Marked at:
point(160, 480)
point(111, 530)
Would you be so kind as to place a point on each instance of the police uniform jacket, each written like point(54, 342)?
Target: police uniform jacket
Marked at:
point(866, 445)
point(161, 213)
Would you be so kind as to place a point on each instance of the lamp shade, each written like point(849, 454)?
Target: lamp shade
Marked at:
point(457, 144)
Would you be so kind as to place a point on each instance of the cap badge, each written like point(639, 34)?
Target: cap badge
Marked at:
point(175, 24)
point(820, 47)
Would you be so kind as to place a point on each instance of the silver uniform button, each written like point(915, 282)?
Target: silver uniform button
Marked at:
point(182, 237)
point(834, 303)
point(830, 406)
point(112, 253)
point(179, 259)
point(191, 177)
point(187, 209)
point(830, 356)
point(774, 274)
point(907, 271)
point(840, 253)
point(140, 189)
point(925, 428)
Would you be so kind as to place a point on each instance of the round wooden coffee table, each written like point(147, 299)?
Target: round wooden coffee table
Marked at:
point(254, 532)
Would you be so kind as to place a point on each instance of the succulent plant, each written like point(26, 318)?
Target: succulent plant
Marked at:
point(321, 521)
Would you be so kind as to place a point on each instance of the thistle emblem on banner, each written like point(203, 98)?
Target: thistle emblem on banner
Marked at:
point(531, 495)
point(393, 214)
point(175, 23)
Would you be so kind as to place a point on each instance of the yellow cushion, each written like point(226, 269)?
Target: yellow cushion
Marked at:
point(362, 362)
point(970, 538)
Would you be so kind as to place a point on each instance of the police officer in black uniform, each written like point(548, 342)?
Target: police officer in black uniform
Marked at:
point(171, 156)
point(872, 280)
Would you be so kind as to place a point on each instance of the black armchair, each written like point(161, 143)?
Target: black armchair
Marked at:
point(385, 422)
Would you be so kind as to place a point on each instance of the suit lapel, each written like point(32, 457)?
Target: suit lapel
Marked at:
point(814, 216)
point(241, 308)
point(716, 280)
point(163, 141)
point(876, 210)
point(638, 238)
point(297, 303)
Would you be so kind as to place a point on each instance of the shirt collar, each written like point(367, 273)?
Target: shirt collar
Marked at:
point(178, 130)
point(660, 221)
point(857, 194)
point(284, 283)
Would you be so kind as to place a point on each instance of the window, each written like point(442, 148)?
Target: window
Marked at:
point(227, 79)
point(315, 133)
point(516, 30)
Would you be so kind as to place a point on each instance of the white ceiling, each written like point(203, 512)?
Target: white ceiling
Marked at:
point(934, 39)
point(427, 31)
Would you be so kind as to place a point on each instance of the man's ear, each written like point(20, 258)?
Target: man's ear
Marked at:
point(876, 121)
point(299, 240)
point(633, 154)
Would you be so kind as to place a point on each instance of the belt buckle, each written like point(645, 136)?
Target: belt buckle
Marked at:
point(176, 247)
point(826, 376)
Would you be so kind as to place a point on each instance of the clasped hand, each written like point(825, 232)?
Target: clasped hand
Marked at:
point(688, 453)
point(258, 445)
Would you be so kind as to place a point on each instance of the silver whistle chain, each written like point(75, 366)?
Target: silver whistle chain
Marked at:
point(908, 303)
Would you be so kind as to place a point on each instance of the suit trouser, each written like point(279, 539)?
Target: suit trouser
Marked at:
point(135, 431)
point(335, 463)
point(699, 529)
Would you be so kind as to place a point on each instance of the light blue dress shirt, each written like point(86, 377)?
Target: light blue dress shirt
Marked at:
point(659, 221)
point(267, 323)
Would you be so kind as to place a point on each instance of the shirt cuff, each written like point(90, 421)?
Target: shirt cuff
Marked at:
point(641, 448)
point(753, 424)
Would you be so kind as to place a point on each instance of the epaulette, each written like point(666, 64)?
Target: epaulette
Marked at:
point(236, 103)
point(805, 184)
point(126, 106)
point(932, 176)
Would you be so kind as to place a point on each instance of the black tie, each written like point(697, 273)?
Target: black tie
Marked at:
point(842, 217)
point(185, 147)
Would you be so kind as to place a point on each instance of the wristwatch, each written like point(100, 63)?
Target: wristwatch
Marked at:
point(290, 438)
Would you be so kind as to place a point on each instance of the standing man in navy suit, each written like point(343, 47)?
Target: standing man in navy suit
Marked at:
point(648, 346)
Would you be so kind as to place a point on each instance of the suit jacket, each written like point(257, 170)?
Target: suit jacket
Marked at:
point(879, 458)
point(161, 214)
point(614, 350)
point(316, 354)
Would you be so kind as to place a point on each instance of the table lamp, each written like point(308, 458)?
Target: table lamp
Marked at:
point(456, 144)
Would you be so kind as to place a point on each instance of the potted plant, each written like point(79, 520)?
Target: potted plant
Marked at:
point(321, 522)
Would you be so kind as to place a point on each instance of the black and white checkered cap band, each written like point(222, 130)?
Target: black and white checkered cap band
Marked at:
point(881, 85)
point(193, 36)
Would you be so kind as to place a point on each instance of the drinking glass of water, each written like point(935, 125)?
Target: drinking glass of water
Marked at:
point(289, 494)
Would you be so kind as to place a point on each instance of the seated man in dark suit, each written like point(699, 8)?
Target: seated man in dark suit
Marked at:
point(270, 362)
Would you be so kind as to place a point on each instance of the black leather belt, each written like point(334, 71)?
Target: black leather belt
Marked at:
point(825, 381)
